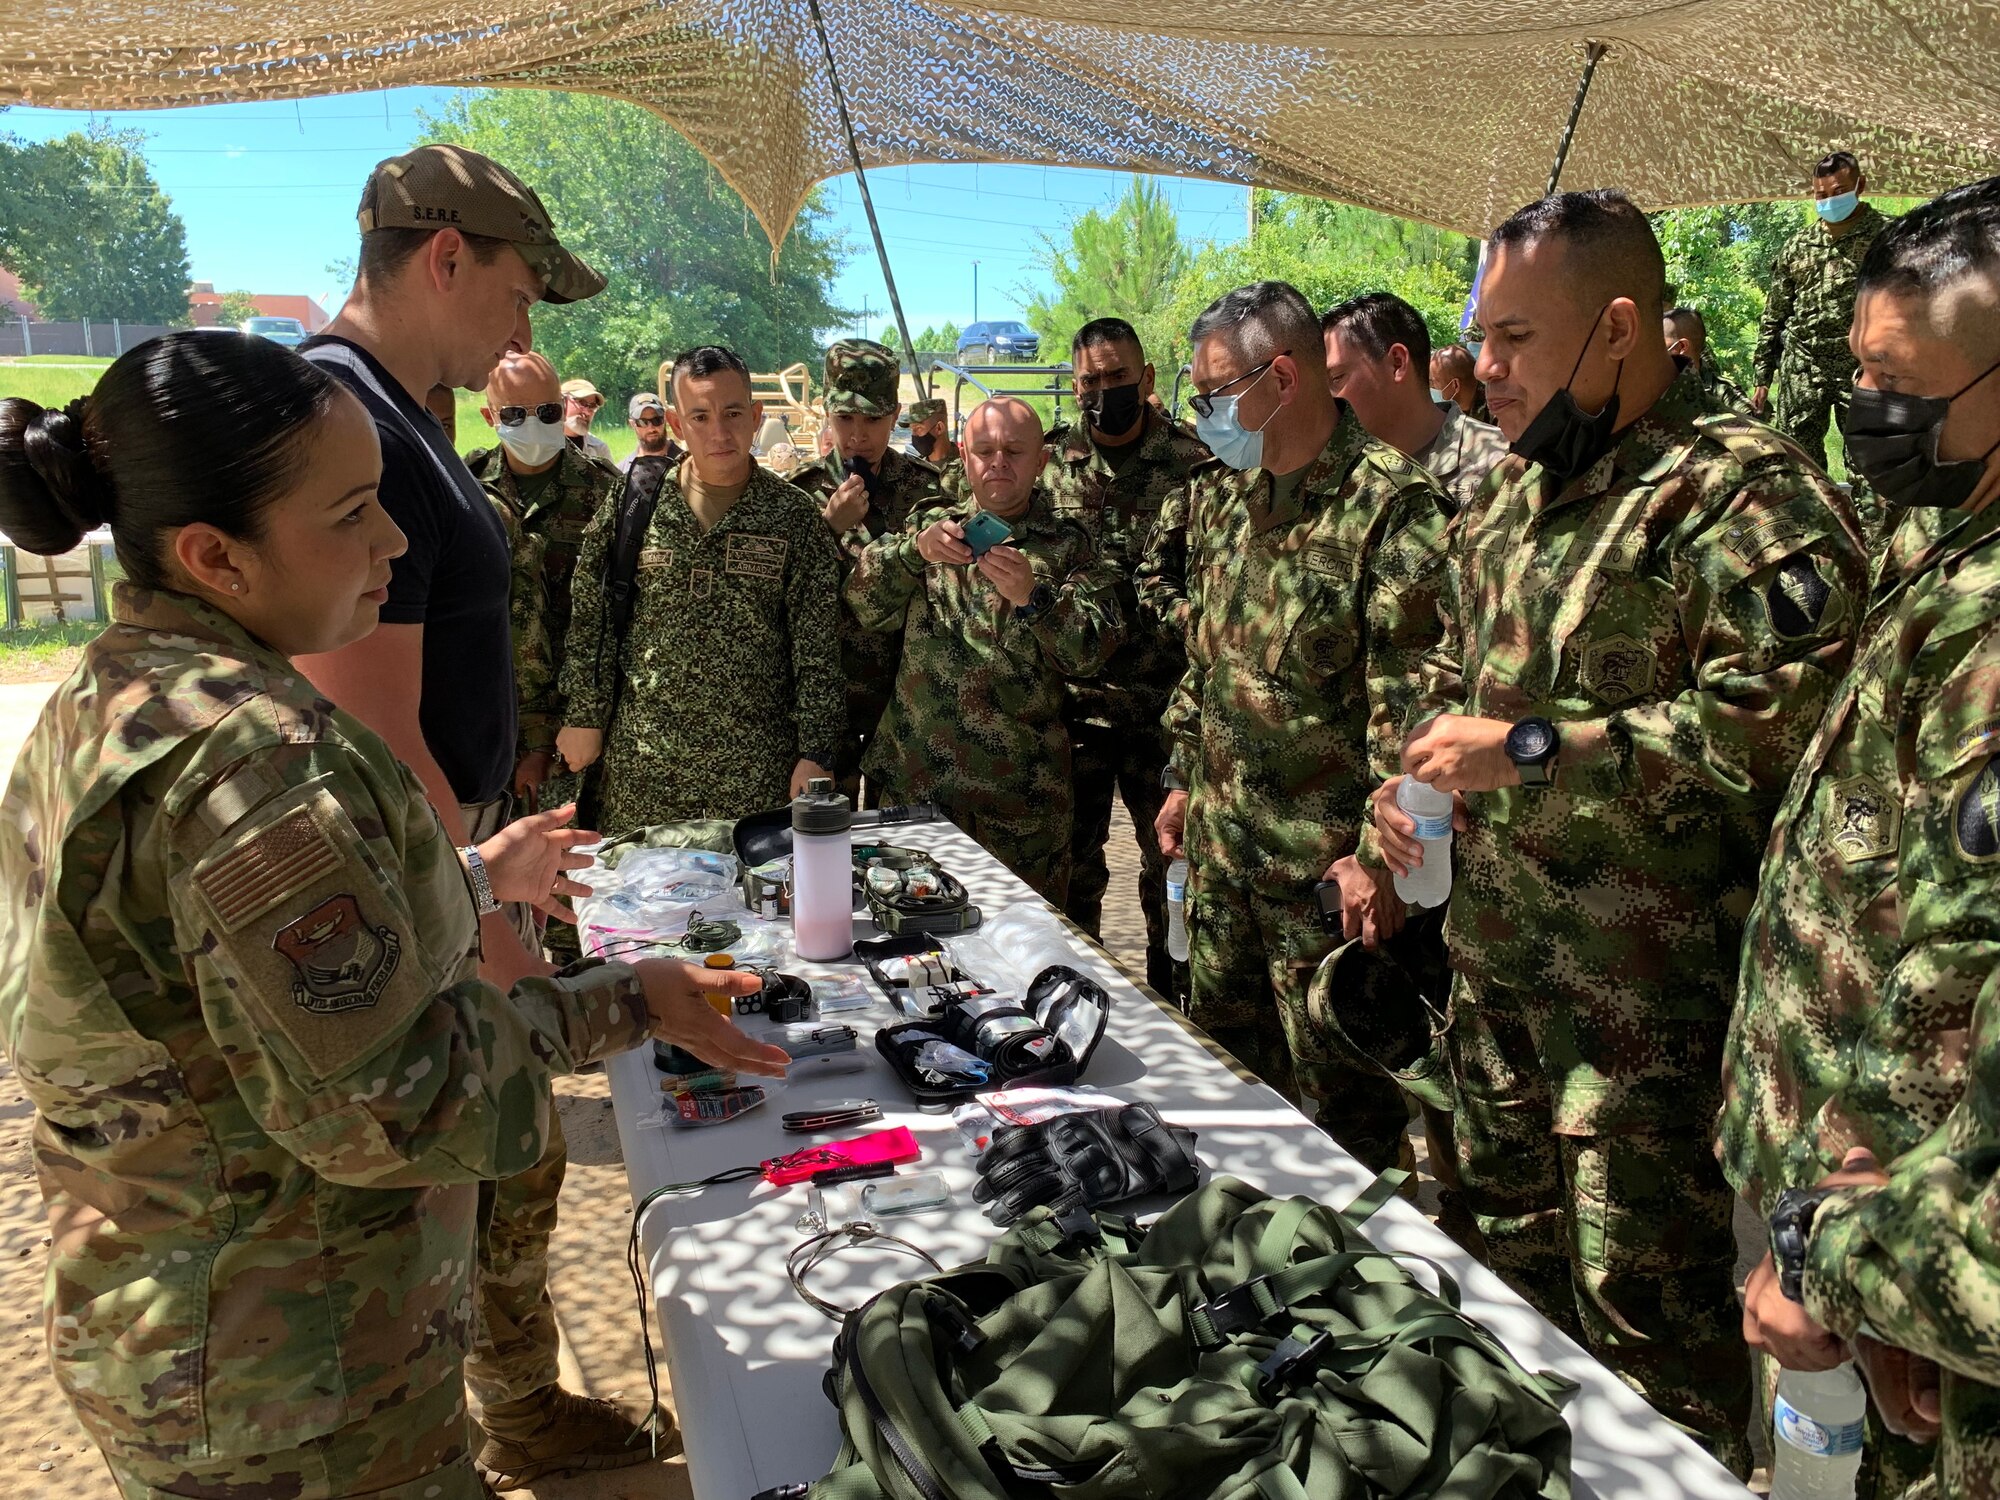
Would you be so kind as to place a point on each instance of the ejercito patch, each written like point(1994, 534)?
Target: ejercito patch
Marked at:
point(1861, 819)
point(340, 962)
point(1796, 599)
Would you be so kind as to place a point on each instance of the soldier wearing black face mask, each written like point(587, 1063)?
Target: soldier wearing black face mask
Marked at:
point(1113, 471)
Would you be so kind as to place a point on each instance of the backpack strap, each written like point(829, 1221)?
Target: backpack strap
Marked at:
point(1385, 1186)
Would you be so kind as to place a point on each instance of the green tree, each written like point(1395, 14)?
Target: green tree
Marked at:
point(1119, 262)
point(88, 231)
point(1330, 252)
point(1719, 262)
point(235, 308)
point(684, 262)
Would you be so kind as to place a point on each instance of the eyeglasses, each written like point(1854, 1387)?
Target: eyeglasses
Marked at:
point(1204, 403)
point(649, 421)
point(589, 403)
point(514, 416)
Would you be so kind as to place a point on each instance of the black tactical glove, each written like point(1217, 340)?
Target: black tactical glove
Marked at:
point(1099, 1156)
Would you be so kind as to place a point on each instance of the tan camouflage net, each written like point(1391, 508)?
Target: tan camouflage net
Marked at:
point(1442, 110)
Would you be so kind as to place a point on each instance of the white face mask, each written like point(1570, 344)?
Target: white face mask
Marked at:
point(534, 442)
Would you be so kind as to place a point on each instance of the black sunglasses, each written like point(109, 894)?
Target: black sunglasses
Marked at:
point(649, 421)
point(1204, 404)
point(514, 416)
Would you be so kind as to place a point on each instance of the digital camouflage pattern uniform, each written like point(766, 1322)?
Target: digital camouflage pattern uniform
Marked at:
point(862, 376)
point(1119, 744)
point(1869, 1013)
point(1802, 352)
point(946, 452)
point(1461, 456)
point(239, 982)
point(1306, 620)
point(545, 536)
point(1722, 391)
point(731, 667)
point(976, 723)
point(1681, 611)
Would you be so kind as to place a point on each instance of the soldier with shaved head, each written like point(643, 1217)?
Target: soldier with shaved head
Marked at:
point(992, 628)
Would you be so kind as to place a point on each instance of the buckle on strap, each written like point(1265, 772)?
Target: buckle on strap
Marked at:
point(1292, 1359)
point(1241, 1309)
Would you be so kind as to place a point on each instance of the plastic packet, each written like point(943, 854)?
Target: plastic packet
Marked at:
point(947, 1065)
point(1028, 940)
point(837, 996)
point(977, 1119)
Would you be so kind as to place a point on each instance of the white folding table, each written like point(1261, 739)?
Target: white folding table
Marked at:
point(746, 1355)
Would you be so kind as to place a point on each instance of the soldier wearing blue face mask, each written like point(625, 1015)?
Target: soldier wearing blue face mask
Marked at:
point(1802, 364)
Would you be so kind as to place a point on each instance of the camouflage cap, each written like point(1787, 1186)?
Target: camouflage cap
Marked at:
point(448, 187)
point(1365, 1004)
point(862, 376)
point(927, 410)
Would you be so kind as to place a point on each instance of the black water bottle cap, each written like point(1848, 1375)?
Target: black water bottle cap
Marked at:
point(820, 809)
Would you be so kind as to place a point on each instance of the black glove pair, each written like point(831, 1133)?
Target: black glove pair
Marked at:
point(1096, 1157)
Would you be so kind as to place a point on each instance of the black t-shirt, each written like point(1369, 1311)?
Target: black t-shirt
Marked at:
point(453, 580)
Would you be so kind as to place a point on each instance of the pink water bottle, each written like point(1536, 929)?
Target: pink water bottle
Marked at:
point(822, 873)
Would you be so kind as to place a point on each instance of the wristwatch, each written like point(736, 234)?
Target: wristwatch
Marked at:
point(482, 885)
point(1043, 598)
point(1532, 745)
point(819, 757)
point(1791, 1226)
point(1172, 780)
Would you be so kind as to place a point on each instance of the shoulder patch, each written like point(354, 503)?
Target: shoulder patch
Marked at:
point(286, 857)
point(1976, 821)
point(1755, 541)
point(1862, 821)
point(1796, 598)
point(1747, 440)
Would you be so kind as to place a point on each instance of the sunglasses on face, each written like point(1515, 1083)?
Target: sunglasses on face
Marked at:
point(649, 421)
point(588, 403)
point(514, 416)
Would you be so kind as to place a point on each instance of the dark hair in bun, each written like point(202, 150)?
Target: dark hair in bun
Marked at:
point(187, 427)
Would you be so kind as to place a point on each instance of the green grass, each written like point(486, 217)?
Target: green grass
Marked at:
point(45, 387)
point(100, 360)
point(474, 433)
point(43, 651)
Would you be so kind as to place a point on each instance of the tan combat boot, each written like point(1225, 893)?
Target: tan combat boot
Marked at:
point(557, 1432)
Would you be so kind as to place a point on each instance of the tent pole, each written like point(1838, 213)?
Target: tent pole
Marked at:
point(1591, 53)
point(868, 202)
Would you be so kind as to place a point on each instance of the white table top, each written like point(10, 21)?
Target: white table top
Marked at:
point(746, 1355)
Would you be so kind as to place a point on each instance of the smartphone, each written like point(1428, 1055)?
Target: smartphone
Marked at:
point(985, 531)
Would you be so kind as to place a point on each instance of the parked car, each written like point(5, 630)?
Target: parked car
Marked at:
point(287, 331)
point(988, 343)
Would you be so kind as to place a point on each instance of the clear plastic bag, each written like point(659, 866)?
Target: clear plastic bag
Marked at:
point(1009, 950)
point(656, 890)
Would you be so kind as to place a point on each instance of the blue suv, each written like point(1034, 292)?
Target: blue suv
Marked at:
point(989, 343)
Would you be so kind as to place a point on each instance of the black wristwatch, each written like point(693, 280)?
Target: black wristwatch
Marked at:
point(1532, 745)
point(1041, 600)
point(1791, 1226)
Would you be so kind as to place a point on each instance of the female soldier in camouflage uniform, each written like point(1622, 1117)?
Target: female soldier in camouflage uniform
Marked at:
point(238, 975)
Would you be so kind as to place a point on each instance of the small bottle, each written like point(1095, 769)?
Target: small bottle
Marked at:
point(1816, 1434)
point(822, 873)
point(1177, 944)
point(1430, 810)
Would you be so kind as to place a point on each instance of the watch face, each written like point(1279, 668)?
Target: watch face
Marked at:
point(1531, 739)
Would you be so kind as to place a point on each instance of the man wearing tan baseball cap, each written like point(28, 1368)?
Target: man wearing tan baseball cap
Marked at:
point(454, 251)
point(581, 403)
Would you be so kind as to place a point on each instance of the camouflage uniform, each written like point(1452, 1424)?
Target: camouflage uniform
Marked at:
point(1723, 392)
point(1681, 611)
point(1119, 745)
point(240, 986)
point(1869, 1013)
point(946, 452)
point(862, 376)
point(1305, 622)
point(1461, 456)
point(545, 537)
point(976, 723)
point(732, 664)
point(1802, 352)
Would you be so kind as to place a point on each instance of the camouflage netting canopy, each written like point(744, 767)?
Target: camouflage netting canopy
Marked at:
point(1441, 110)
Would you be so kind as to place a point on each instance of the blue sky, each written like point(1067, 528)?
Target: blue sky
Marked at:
point(268, 190)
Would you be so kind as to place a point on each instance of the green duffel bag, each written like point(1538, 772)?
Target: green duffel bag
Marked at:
point(1243, 1347)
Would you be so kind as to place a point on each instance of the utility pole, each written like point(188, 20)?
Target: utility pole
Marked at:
point(866, 312)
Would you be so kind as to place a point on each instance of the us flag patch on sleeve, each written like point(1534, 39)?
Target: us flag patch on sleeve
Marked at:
point(285, 858)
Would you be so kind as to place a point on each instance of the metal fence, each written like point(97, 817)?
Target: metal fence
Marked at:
point(20, 337)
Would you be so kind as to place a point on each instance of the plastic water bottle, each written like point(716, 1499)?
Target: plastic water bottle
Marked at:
point(1816, 1434)
point(822, 873)
point(1177, 948)
point(1430, 810)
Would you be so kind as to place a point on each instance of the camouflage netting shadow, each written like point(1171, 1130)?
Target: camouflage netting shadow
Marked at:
point(1441, 110)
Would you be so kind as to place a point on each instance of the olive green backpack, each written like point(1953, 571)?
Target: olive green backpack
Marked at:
point(1243, 1347)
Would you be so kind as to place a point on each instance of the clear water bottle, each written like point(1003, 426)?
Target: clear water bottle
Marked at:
point(822, 873)
point(1816, 1434)
point(1177, 948)
point(1430, 810)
